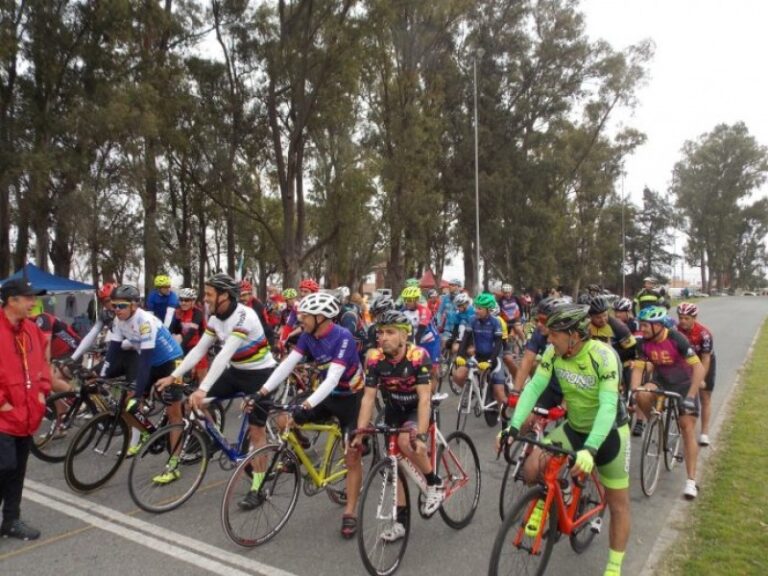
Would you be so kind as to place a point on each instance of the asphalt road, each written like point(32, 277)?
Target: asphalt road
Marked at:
point(105, 533)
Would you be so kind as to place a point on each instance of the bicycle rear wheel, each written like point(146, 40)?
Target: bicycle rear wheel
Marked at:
point(160, 455)
point(377, 516)
point(51, 440)
point(459, 468)
point(512, 487)
point(673, 438)
point(464, 406)
point(455, 388)
point(252, 517)
point(490, 413)
point(513, 548)
point(650, 456)
point(96, 452)
point(589, 499)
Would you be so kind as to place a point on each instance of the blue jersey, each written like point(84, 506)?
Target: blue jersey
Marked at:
point(445, 311)
point(147, 334)
point(460, 320)
point(158, 303)
point(486, 335)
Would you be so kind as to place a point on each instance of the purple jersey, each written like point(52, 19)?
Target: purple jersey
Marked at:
point(672, 357)
point(337, 347)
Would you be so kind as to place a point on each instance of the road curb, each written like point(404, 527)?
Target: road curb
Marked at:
point(671, 530)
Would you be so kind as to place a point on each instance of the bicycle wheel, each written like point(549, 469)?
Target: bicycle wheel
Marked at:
point(455, 388)
point(650, 456)
point(337, 491)
point(490, 413)
point(464, 406)
point(673, 438)
point(160, 455)
point(582, 537)
point(512, 549)
point(251, 518)
point(51, 441)
point(459, 467)
point(96, 452)
point(512, 486)
point(377, 516)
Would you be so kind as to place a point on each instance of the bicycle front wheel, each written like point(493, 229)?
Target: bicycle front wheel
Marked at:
point(589, 499)
point(459, 468)
point(455, 388)
point(673, 443)
point(96, 452)
point(513, 549)
point(464, 406)
point(164, 474)
point(51, 440)
point(380, 542)
point(512, 487)
point(253, 515)
point(650, 456)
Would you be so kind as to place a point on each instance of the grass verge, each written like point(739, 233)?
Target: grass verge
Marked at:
point(727, 531)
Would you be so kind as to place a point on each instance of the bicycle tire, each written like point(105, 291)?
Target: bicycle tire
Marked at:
point(455, 388)
point(50, 442)
point(520, 557)
point(672, 437)
point(463, 407)
point(491, 414)
point(511, 487)
point(458, 509)
point(282, 474)
point(96, 452)
point(378, 493)
point(337, 491)
point(149, 462)
point(589, 498)
point(651, 455)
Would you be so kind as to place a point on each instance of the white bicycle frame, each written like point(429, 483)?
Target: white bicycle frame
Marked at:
point(473, 380)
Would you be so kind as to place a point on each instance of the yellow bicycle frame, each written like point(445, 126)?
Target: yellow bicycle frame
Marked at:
point(318, 476)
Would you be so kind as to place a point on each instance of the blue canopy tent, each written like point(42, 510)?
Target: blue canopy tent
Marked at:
point(76, 304)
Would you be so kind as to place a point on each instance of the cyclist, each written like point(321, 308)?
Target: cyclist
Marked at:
point(484, 335)
point(188, 326)
point(701, 339)
point(333, 349)
point(433, 302)
point(381, 303)
point(105, 318)
point(650, 295)
point(676, 368)
point(248, 298)
point(460, 319)
point(612, 331)
point(447, 307)
point(351, 318)
point(424, 332)
point(242, 365)
point(162, 301)
point(153, 354)
point(507, 354)
point(622, 309)
point(511, 311)
point(61, 342)
point(289, 319)
point(401, 369)
point(596, 426)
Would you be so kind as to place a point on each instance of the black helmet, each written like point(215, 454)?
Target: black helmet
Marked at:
point(597, 305)
point(394, 318)
point(548, 305)
point(223, 283)
point(126, 292)
point(381, 303)
point(569, 318)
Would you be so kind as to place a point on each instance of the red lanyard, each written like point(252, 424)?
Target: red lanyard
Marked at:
point(21, 345)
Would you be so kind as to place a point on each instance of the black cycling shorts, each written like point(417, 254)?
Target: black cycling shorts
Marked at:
point(343, 408)
point(234, 381)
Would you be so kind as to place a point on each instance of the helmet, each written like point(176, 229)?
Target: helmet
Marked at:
point(456, 282)
point(462, 299)
point(485, 300)
point(289, 293)
point(653, 315)
point(597, 305)
point(320, 303)
point(106, 291)
point(188, 294)
point(412, 282)
point(381, 303)
point(495, 311)
point(569, 317)
point(549, 304)
point(506, 288)
point(687, 309)
point(623, 305)
point(594, 288)
point(343, 293)
point(651, 280)
point(433, 293)
point(245, 287)
point(223, 283)
point(309, 284)
point(126, 292)
point(162, 281)
point(410, 293)
point(394, 318)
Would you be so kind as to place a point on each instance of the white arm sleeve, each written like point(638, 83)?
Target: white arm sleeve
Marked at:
point(194, 356)
point(87, 342)
point(221, 362)
point(282, 371)
point(169, 312)
point(335, 372)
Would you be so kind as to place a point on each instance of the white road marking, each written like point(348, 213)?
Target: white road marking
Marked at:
point(115, 518)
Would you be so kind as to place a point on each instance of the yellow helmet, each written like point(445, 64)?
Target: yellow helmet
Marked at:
point(410, 293)
point(162, 281)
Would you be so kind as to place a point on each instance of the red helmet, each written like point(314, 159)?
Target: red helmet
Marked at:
point(687, 309)
point(309, 284)
point(245, 287)
point(105, 291)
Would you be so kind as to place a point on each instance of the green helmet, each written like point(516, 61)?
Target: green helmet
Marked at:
point(289, 293)
point(653, 315)
point(485, 300)
point(569, 318)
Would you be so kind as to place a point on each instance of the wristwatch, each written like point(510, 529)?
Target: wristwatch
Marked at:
point(423, 437)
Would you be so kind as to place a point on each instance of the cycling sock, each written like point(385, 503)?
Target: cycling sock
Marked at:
point(258, 478)
point(615, 560)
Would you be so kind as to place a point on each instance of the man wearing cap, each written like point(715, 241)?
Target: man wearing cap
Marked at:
point(25, 381)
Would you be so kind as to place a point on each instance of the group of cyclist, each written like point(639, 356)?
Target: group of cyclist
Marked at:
point(587, 355)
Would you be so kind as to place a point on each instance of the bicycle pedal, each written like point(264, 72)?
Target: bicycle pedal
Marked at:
point(596, 525)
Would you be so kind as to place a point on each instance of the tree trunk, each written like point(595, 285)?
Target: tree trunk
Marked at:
point(202, 248)
point(151, 237)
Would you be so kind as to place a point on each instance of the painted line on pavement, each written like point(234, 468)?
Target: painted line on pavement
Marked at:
point(39, 543)
point(117, 518)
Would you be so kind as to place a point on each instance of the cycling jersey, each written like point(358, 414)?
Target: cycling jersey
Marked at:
point(700, 338)
point(261, 312)
point(158, 303)
point(486, 336)
point(63, 338)
point(445, 312)
point(335, 347)
point(190, 325)
point(145, 332)
point(398, 381)
point(424, 330)
point(618, 335)
point(253, 353)
point(510, 309)
point(460, 320)
point(673, 359)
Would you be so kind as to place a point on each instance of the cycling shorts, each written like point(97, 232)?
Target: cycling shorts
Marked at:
point(344, 408)
point(234, 381)
point(401, 417)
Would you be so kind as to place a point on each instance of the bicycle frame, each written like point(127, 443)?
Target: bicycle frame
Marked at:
point(317, 476)
point(473, 380)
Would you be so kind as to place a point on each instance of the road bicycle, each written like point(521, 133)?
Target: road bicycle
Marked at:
point(662, 438)
point(454, 458)
point(525, 539)
point(477, 397)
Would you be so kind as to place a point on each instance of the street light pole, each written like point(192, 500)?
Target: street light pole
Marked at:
point(477, 189)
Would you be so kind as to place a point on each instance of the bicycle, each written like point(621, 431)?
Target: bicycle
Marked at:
point(279, 491)
point(454, 458)
point(477, 397)
point(199, 437)
point(521, 544)
point(447, 365)
point(661, 436)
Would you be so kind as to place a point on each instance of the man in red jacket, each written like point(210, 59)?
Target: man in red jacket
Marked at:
point(25, 381)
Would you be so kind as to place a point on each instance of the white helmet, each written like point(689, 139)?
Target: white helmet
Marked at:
point(188, 294)
point(462, 299)
point(506, 287)
point(343, 293)
point(320, 303)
